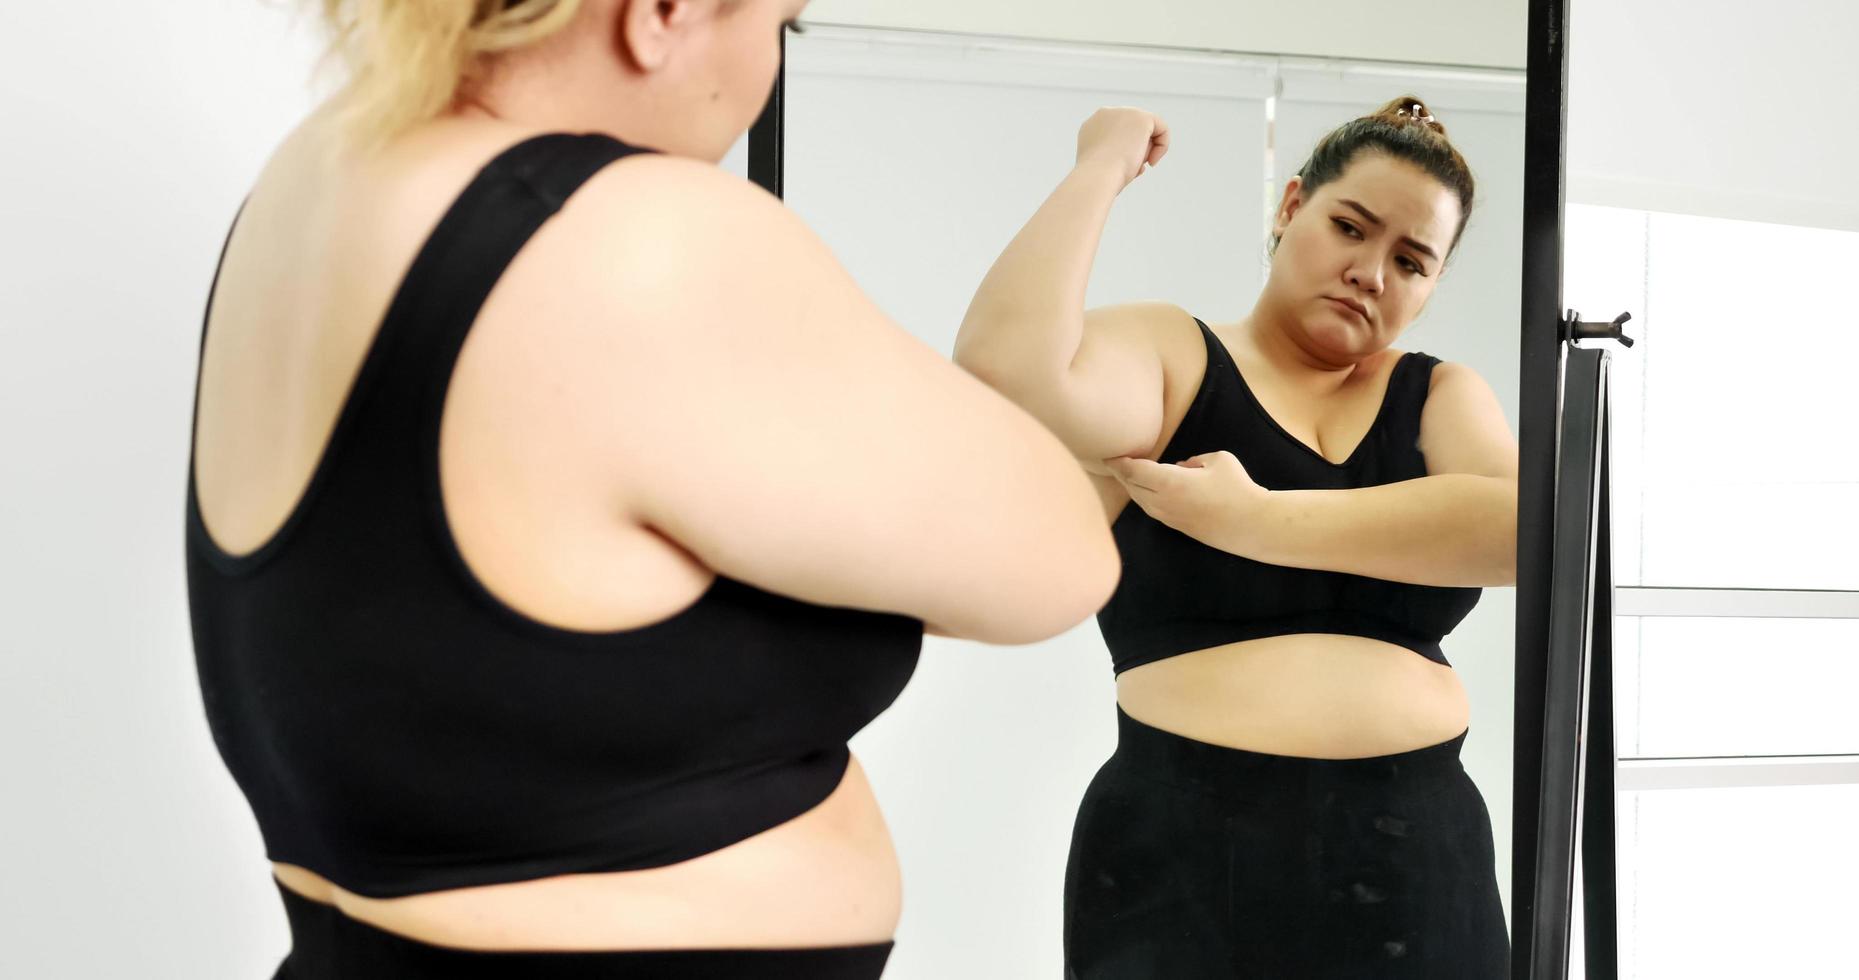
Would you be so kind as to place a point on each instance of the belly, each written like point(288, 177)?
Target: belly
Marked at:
point(1316, 695)
point(826, 878)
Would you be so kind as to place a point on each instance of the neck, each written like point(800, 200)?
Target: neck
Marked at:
point(1272, 335)
point(560, 96)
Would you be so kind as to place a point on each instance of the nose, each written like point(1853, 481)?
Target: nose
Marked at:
point(1364, 273)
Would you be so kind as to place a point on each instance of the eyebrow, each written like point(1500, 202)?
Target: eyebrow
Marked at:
point(1370, 215)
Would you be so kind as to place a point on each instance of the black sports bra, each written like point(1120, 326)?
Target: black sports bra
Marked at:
point(397, 729)
point(1178, 595)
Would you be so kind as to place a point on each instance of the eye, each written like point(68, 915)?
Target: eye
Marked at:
point(1347, 227)
point(1411, 266)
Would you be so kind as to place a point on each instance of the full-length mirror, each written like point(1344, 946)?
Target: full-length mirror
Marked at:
point(1110, 799)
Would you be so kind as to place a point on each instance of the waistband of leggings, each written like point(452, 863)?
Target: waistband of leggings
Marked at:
point(1217, 769)
point(327, 944)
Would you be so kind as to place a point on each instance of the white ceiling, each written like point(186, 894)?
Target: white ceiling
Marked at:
point(1484, 33)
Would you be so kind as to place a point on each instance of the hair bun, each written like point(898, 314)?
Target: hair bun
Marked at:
point(1409, 110)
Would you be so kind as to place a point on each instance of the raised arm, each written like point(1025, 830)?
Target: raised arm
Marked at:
point(1094, 379)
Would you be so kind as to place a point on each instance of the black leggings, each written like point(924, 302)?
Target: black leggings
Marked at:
point(1192, 860)
point(328, 945)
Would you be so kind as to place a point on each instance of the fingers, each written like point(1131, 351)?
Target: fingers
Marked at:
point(1158, 141)
point(1218, 458)
point(1118, 124)
point(1158, 144)
point(1145, 474)
point(1131, 465)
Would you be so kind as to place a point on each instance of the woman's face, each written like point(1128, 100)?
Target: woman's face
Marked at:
point(1358, 259)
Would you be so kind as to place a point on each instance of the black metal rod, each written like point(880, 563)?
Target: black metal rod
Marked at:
point(1600, 909)
point(1571, 628)
point(766, 152)
point(1539, 380)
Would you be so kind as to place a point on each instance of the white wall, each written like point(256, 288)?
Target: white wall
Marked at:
point(1487, 33)
point(1715, 108)
point(917, 157)
point(133, 134)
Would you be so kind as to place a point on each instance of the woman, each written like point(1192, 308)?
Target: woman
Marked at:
point(1313, 508)
point(559, 510)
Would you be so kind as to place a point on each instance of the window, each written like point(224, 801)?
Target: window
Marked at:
point(1736, 526)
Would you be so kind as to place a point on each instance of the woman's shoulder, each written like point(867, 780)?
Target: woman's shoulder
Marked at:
point(679, 197)
point(1439, 371)
point(660, 224)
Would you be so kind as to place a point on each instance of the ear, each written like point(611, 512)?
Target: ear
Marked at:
point(648, 30)
point(1288, 205)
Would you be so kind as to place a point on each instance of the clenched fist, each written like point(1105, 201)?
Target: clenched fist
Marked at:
point(1123, 139)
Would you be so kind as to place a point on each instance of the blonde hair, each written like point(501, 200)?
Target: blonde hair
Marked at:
point(408, 60)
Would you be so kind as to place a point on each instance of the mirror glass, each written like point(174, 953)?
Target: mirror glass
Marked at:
point(918, 155)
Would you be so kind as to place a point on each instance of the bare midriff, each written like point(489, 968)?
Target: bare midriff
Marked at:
point(1317, 695)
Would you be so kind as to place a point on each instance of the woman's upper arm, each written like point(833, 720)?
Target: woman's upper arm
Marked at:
point(1462, 427)
point(761, 412)
point(1107, 402)
point(1114, 389)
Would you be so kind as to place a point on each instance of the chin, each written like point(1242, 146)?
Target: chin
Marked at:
point(1331, 340)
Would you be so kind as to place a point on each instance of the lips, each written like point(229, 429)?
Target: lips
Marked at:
point(1357, 308)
